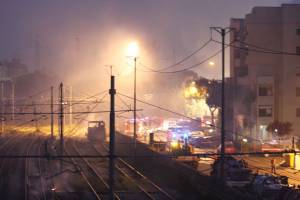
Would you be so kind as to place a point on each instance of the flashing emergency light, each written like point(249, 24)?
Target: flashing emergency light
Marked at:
point(185, 135)
point(174, 144)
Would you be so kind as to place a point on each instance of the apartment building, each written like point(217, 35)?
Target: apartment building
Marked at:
point(265, 69)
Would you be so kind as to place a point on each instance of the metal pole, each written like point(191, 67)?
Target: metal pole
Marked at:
point(58, 116)
point(64, 92)
point(37, 53)
point(13, 100)
point(61, 117)
point(223, 107)
point(293, 147)
point(112, 93)
point(70, 105)
point(34, 116)
point(2, 107)
point(293, 143)
point(52, 115)
point(134, 109)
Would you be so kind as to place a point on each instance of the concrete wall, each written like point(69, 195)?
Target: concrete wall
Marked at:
point(273, 28)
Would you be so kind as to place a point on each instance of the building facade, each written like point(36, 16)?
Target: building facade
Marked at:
point(265, 68)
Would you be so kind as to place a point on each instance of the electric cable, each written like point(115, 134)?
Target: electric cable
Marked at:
point(181, 60)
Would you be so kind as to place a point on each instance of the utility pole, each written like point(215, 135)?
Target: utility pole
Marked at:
point(52, 115)
point(64, 93)
point(61, 120)
point(34, 116)
point(134, 109)
point(293, 148)
point(222, 32)
point(70, 105)
point(77, 60)
point(2, 107)
point(112, 93)
point(37, 53)
point(13, 100)
point(111, 72)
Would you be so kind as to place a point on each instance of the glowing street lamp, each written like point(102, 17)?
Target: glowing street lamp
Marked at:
point(132, 51)
point(243, 144)
point(211, 63)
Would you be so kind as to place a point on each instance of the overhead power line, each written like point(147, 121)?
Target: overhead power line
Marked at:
point(264, 48)
point(79, 112)
point(180, 61)
point(187, 68)
point(257, 50)
point(190, 67)
point(55, 104)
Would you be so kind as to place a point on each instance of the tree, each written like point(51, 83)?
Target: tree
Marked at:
point(213, 99)
point(213, 95)
point(209, 90)
point(280, 129)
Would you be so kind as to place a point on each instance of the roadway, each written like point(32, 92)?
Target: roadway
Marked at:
point(259, 164)
point(263, 165)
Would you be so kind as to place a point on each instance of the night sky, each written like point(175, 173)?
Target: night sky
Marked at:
point(167, 30)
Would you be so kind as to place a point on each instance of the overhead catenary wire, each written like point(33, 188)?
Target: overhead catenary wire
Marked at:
point(39, 92)
point(48, 104)
point(81, 120)
point(199, 155)
point(167, 110)
point(100, 100)
point(76, 112)
point(181, 115)
point(43, 114)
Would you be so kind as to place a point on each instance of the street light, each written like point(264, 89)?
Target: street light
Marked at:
point(132, 52)
point(211, 63)
point(243, 143)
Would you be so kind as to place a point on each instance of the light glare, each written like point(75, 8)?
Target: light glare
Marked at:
point(132, 49)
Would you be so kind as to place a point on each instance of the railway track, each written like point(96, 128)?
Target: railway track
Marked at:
point(12, 170)
point(91, 177)
point(41, 166)
point(7, 147)
point(34, 182)
point(146, 186)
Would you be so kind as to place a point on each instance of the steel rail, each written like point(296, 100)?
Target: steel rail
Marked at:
point(132, 169)
point(41, 172)
point(84, 177)
point(93, 169)
point(27, 169)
